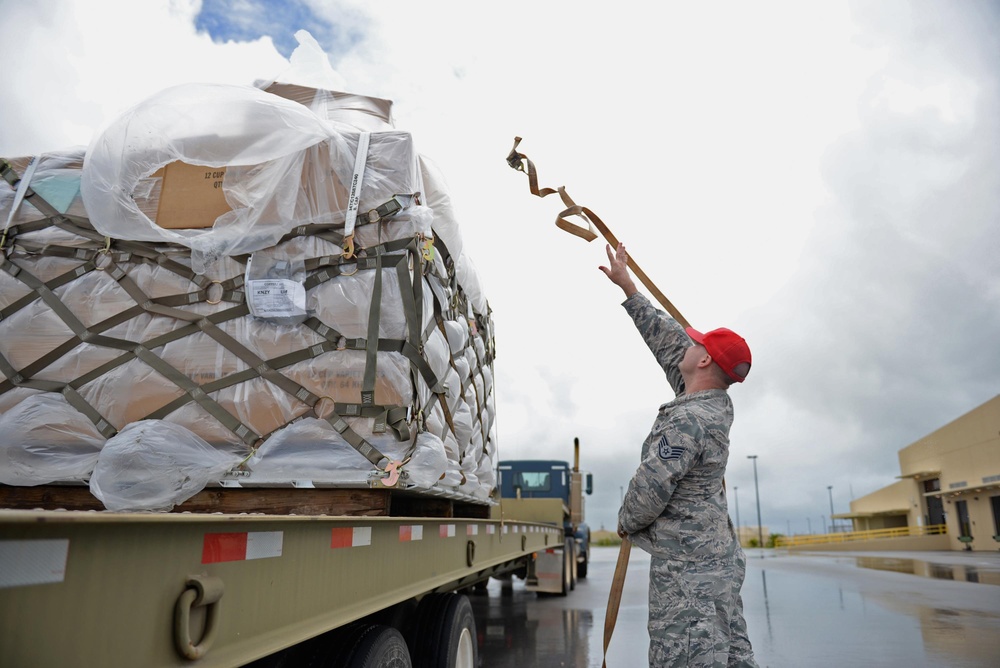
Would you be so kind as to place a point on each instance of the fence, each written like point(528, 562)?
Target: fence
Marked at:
point(850, 536)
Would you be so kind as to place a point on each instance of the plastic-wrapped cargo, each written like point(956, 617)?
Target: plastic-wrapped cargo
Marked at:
point(241, 285)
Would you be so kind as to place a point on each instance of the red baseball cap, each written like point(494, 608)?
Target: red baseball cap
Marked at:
point(728, 349)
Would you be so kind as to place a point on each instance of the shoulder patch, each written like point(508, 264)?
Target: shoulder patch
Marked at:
point(667, 451)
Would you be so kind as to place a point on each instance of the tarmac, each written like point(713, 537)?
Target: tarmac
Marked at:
point(803, 609)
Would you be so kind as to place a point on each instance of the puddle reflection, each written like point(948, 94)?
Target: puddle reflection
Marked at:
point(516, 632)
point(928, 569)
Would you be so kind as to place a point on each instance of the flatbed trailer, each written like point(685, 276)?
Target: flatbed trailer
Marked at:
point(194, 589)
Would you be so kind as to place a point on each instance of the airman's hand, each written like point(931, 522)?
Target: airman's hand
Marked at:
point(617, 269)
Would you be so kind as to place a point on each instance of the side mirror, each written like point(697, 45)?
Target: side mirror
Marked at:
point(590, 483)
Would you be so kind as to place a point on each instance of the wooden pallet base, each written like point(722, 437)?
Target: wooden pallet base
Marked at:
point(265, 500)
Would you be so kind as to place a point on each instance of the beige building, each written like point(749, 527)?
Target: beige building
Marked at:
point(950, 477)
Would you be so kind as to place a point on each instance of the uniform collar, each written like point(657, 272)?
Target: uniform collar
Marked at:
point(702, 395)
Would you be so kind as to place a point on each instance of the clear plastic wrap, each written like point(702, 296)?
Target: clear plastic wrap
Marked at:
point(156, 465)
point(215, 126)
point(43, 439)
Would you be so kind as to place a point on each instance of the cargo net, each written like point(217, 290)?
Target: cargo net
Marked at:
point(125, 368)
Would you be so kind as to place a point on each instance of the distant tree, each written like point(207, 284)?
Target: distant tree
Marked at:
point(773, 539)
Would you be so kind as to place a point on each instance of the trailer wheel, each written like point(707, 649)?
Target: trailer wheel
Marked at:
point(567, 574)
point(581, 567)
point(444, 634)
point(572, 564)
point(379, 647)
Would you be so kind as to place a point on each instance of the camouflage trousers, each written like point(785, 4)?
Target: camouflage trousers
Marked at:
point(696, 614)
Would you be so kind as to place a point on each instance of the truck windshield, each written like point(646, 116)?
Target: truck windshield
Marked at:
point(533, 481)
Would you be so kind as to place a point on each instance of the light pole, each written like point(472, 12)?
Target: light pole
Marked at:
point(760, 529)
point(739, 531)
point(829, 489)
point(810, 525)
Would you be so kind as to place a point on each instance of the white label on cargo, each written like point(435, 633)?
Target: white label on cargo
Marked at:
point(276, 297)
point(29, 562)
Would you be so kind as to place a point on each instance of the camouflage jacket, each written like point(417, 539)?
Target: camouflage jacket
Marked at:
point(676, 507)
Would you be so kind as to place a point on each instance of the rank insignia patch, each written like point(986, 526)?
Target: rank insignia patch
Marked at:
point(667, 451)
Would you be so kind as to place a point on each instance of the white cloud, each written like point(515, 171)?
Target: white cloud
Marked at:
point(822, 179)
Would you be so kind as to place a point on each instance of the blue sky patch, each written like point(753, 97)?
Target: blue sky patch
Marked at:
point(248, 20)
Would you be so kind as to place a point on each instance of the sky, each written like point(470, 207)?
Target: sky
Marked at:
point(822, 178)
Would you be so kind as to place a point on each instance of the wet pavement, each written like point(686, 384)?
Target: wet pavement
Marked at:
point(912, 609)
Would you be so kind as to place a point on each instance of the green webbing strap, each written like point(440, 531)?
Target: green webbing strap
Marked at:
point(371, 357)
point(74, 399)
point(367, 450)
point(222, 338)
point(411, 295)
point(23, 378)
point(329, 267)
point(60, 309)
point(442, 305)
point(324, 231)
point(51, 284)
point(233, 424)
point(328, 231)
point(85, 335)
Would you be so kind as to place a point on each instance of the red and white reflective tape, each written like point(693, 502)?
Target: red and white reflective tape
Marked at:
point(241, 546)
point(491, 529)
point(472, 530)
point(29, 562)
point(446, 531)
point(350, 537)
point(410, 532)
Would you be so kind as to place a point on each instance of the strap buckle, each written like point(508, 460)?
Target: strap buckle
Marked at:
point(514, 158)
point(392, 206)
point(392, 471)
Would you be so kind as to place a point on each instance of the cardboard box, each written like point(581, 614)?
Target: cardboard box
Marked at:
point(362, 111)
point(191, 196)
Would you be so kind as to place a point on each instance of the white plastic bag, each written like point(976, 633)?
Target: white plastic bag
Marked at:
point(156, 465)
point(43, 439)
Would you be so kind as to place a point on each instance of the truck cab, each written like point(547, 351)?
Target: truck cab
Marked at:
point(550, 492)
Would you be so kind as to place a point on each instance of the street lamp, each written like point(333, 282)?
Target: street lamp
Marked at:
point(736, 494)
point(760, 528)
point(739, 531)
point(829, 489)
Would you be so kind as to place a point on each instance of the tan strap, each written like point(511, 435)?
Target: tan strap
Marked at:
point(615, 597)
point(520, 162)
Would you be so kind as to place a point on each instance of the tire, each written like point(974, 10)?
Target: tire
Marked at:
point(379, 647)
point(567, 571)
point(581, 567)
point(571, 545)
point(444, 633)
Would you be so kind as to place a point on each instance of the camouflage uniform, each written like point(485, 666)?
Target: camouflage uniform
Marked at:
point(676, 510)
